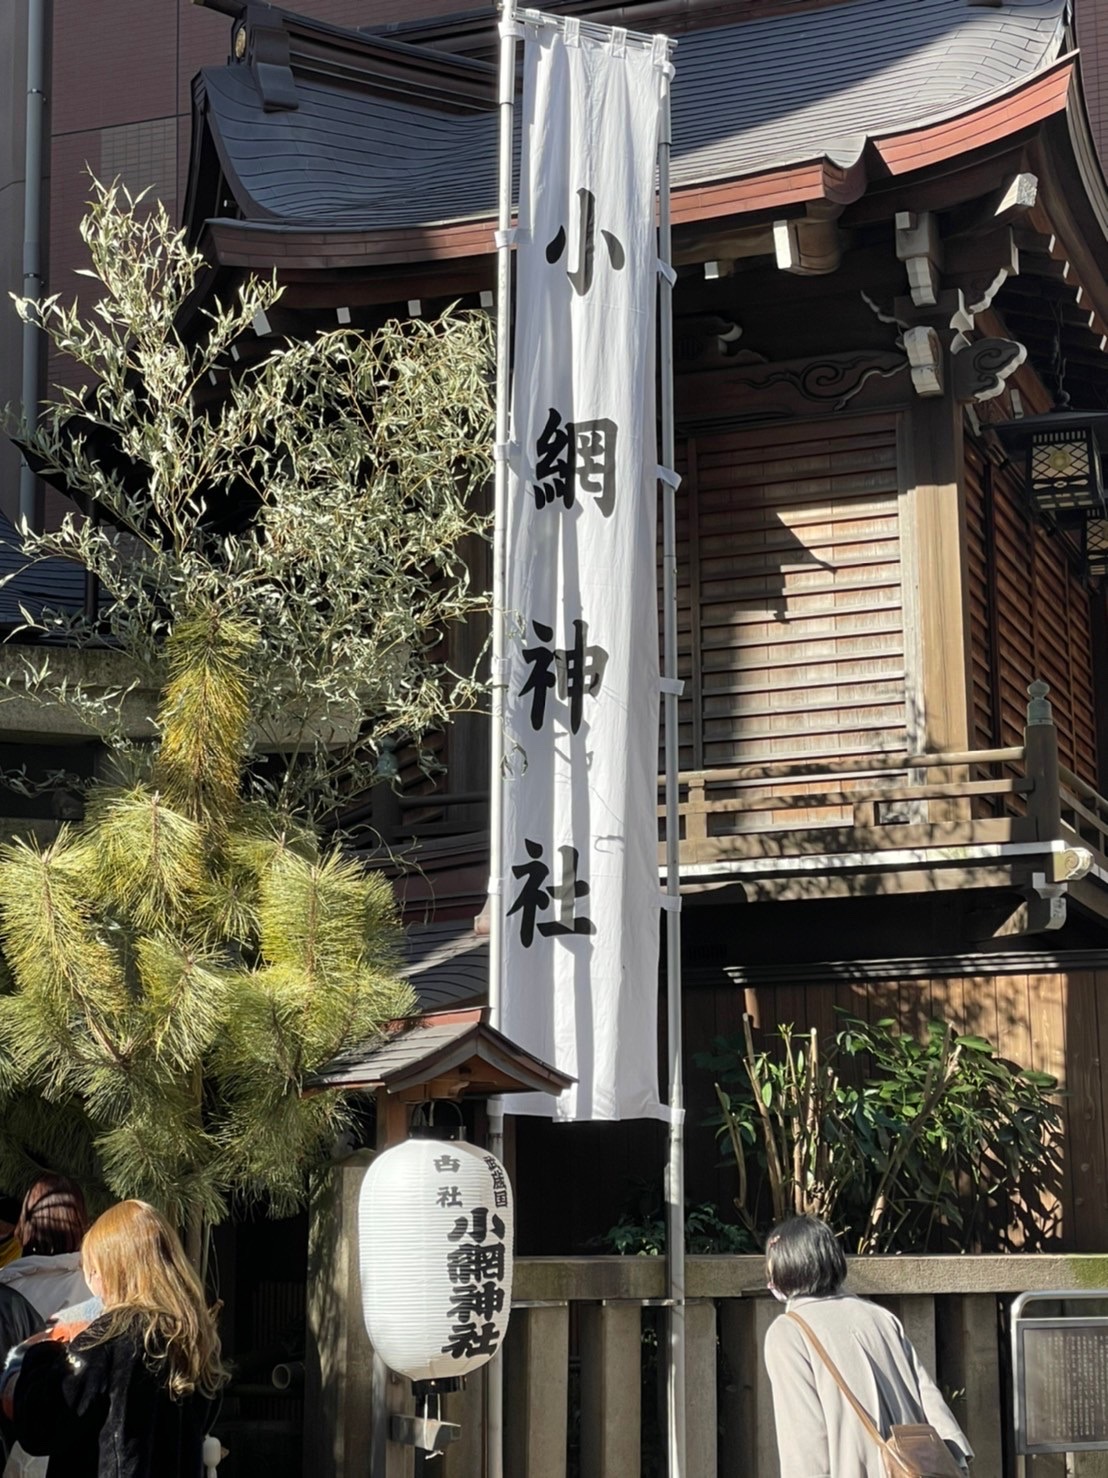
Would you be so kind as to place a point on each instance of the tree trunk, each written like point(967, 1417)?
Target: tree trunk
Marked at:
point(194, 1239)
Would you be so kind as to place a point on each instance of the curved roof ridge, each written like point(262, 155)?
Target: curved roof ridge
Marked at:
point(749, 98)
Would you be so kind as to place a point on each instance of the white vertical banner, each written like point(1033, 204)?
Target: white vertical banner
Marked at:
point(580, 888)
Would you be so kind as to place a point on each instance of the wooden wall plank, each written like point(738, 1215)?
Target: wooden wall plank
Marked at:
point(1035, 622)
point(1047, 1006)
point(1085, 1084)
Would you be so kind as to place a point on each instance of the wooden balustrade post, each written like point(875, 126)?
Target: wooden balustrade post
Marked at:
point(765, 1433)
point(1040, 747)
point(696, 810)
point(611, 1390)
point(969, 1373)
point(700, 1386)
point(917, 1314)
point(738, 1391)
point(536, 1392)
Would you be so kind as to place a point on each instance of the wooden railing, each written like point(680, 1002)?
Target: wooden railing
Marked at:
point(871, 804)
point(1083, 811)
point(581, 1361)
point(857, 794)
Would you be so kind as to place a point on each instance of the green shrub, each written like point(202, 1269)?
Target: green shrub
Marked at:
point(904, 1145)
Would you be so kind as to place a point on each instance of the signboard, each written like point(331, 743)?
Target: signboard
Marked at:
point(1060, 1372)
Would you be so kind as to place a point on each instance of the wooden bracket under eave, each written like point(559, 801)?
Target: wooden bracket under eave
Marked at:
point(811, 246)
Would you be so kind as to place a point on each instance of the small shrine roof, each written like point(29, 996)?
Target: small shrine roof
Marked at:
point(344, 149)
point(457, 1045)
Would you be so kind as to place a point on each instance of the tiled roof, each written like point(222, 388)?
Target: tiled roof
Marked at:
point(447, 964)
point(350, 160)
point(747, 98)
point(422, 1051)
point(779, 91)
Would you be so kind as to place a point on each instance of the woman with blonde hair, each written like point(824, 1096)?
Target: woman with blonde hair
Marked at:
point(131, 1395)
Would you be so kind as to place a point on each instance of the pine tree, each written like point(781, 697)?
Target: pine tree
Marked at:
point(182, 960)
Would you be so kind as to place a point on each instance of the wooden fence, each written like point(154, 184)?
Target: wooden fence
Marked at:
point(582, 1399)
point(581, 1360)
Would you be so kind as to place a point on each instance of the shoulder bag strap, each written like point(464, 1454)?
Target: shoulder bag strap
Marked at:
point(863, 1415)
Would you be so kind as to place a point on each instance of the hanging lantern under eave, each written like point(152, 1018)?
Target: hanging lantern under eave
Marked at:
point(1063, 470)
point(1062, 459)
point(1096, 547)
point(435, 1250)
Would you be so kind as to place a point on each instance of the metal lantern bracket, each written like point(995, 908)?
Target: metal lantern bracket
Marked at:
point(426, 1429)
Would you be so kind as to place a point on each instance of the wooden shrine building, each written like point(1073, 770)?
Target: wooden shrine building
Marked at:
point(891, 235)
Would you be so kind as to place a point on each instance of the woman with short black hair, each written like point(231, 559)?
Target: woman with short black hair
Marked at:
point(818, 1433)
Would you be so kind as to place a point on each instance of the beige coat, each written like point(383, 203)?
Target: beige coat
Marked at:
point(47, 1283)
point(818, 1434)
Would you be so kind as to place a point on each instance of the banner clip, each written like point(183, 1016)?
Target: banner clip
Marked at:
point(668, 476)
point(659, 54)
point(506, 238)
point(671, 902)
point(571, 35)
point(674, 685)
point(510, 28)
point(495, 886)
point(617, 44)
point(505, 451)
point(668, 271)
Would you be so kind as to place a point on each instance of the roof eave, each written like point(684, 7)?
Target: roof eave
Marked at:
point(516, 1070)
point(784, 188)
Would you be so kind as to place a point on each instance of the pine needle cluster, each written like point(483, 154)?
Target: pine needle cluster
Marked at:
point(181, 961)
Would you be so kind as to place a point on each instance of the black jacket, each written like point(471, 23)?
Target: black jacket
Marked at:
point(18, 1320)
point(104, 1411)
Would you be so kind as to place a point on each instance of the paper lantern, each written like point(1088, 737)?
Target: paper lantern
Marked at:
point(435, 1249)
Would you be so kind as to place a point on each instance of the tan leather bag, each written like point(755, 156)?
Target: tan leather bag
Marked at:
point(909, 1451)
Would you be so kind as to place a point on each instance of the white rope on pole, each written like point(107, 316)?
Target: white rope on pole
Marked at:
point(494, 1372)
point(675, 1163)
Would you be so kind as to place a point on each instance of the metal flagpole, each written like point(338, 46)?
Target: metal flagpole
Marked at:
point(671, 687)
point(494, 1372)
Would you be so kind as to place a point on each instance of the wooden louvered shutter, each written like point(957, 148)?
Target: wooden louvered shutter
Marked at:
point(1031, 619)
point(791, 619)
